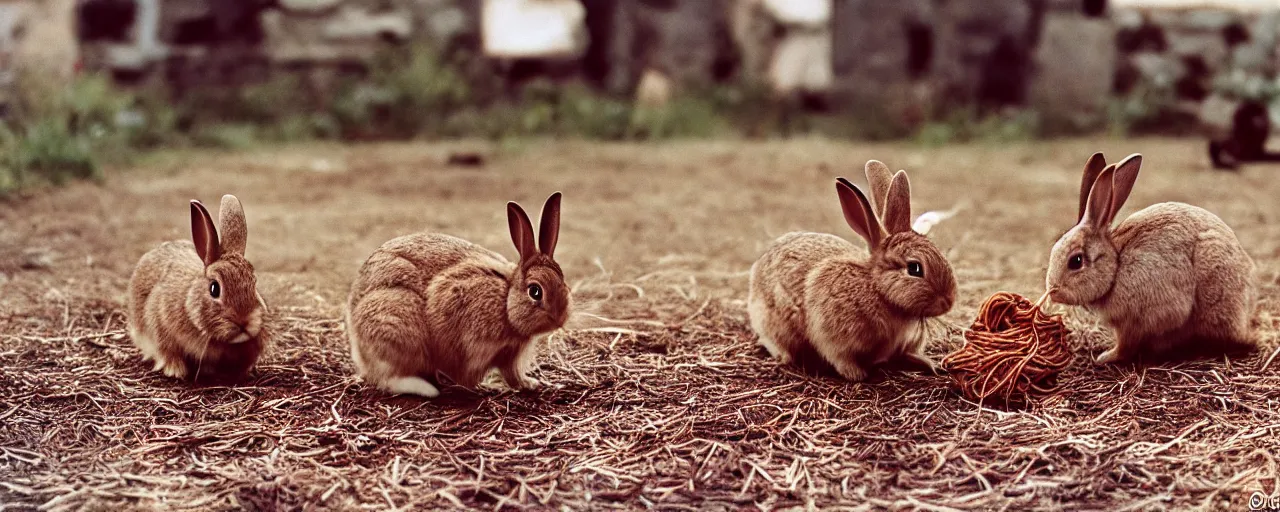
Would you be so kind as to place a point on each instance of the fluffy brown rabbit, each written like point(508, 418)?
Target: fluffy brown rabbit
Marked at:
point(194, 309)
point(1170, 276)
point(823, 303)
point(428, 305)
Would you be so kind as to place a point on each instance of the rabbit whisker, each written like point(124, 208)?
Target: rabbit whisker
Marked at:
point(200, 362)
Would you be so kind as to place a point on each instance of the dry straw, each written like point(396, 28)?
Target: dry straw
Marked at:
point(1012, 350)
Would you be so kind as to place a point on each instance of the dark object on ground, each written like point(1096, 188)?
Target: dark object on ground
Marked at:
point(466, 159)
point(1250, 127)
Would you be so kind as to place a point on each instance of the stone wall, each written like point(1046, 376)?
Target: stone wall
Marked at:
point(907, 59)
point(1200, 61)
point(37, 43)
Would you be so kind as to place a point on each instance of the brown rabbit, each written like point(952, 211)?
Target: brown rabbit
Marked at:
point(427, 304)
point(194, 309)
point(823, 303)
point(1170, 275)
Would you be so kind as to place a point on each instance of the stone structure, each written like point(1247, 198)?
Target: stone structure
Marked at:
point(38, 44)
point(904, 60)
point(1074, 64)
point(1203, 61)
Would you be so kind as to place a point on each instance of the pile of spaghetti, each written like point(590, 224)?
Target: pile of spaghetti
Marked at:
point(1012, 350)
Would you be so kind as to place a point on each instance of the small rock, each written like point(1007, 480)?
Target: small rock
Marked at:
point(309, 6)
point(37, 259)
point(323, 165)
point(466, 159)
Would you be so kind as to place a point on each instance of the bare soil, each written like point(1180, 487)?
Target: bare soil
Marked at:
point(664, 399)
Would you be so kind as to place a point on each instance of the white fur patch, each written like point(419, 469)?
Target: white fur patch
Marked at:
point(240, 338)
point(255, 322)
point(757, 311)
point(411, 386)
point(913, 335)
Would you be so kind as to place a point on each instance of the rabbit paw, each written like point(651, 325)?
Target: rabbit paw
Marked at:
point(174, 368)
point(852, 372)
point(1110, 356)
point(528, 383)
point(411, 386)
point(923, 361)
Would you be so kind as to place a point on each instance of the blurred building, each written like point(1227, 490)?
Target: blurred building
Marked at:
point(901, 58)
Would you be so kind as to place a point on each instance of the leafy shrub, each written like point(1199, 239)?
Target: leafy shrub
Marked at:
point(62, 133)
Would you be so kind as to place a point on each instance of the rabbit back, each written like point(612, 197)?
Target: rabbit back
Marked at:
point(1182, 275)
point(158, 291)
point(429, 304)
point(778, 288)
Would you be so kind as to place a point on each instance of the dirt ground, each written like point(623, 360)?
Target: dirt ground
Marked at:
point(663, 399)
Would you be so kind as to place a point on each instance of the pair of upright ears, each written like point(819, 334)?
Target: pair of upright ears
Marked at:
point(235, 232)
point(892, 212)
point(1104, 189)
point(522, 228)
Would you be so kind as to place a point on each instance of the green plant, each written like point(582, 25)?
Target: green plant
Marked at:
point(968, 125)
point(408, 93)
point(234, 136)
point(682, 117)
point(63, 131)
point(47, 150)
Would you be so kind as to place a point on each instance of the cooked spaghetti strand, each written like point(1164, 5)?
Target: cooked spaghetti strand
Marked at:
point(1012, 350)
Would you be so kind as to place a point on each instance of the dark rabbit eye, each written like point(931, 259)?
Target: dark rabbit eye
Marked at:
point(214, 290)
point(535, 292)
point(915, 269)
point(1076, 262)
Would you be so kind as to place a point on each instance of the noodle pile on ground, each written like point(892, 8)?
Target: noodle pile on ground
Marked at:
point(1012, 350)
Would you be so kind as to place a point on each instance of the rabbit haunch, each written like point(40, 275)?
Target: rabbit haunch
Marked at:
point(823, 303)
point(428, 305)
point(194, 307)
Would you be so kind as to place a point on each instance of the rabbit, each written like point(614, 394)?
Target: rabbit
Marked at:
point(194, 306)
point(428, 305)
point(823, 303)
point(1170, 276)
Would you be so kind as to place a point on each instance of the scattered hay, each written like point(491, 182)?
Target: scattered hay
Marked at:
point(668, 401)
point(689, 415)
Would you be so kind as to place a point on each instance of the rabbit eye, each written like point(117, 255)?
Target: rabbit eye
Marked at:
point(1076, 262)
point(915, 269)
point(535, 292)
point(215, 290)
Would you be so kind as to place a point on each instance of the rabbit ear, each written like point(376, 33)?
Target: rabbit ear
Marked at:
point(1092, 169)
point(858, 213)
point(549, 226)
point(1126, 174)
point(235, 232)
point(204, 234)
point(880, 177)
point(897, 212)
point(1098, 208)
point(521, 231)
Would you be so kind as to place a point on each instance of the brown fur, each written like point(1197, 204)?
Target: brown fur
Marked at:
point(175, 321)
point(1170, 277)
point(429, 305)
point(825, 304)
